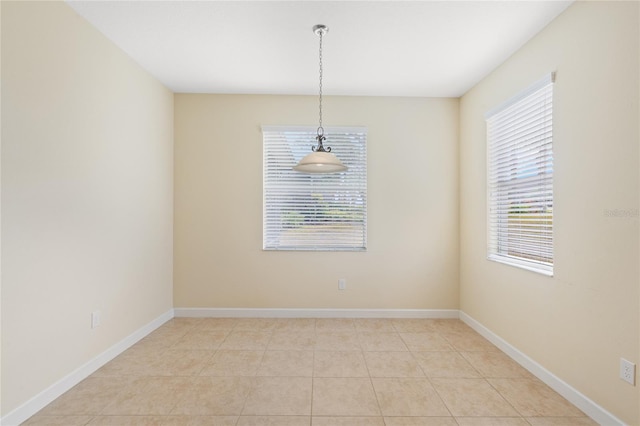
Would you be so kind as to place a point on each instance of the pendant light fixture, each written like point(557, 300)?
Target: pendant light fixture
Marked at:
point(321, 160)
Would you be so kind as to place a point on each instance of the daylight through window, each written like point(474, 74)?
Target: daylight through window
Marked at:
point(314, 211)
point(520, 179)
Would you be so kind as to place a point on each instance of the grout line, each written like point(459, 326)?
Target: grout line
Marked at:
point(313, 369)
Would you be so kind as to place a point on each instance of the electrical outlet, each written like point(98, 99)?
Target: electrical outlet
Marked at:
point(628, 371)
point(342, 283)
point(95, 319)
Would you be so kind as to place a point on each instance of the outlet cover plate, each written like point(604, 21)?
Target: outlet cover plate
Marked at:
point(342, 283)
point(628, 371)
point(95, 319)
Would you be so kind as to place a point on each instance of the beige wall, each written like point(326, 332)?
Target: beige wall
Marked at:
point(86, 196)
point(412, 256)
point(580, 322)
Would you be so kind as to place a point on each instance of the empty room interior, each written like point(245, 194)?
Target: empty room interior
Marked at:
point(160, 267)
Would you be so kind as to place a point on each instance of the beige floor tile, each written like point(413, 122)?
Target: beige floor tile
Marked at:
point(295, 324)
point(414, 325)
point(468, 341)
point(533, 398)
point(408, 397)
point(199, 339)
point(561, 421)
point(148, 396)
point(127, 421)
point(217, 324)
point(337, 340)
point(292, 340)
point(344, 397)
point(88, 397)
point(233, 363)
point(39, 420)
point(166, 335)
point(178, 325)
point(177, 362)
point(146, 348)
point(333, 324)
point(472, 397)
point(381, 325)
point(420, 421)
point(496, 364)
point(339, 364)
point(347, 421)
point(255, 324)
point(200, 420)
point(441, 324)
point(258, 371)
point(279, 396)
point(182, 322)
point(378, 341)
point(129, 364)
point(246, 340)
point(287, 363)
point(491, 421)
point(445, 364)
point(159, 340)
point(392, 364)
point(425, 342)
point(215, 396)
point(274, 421)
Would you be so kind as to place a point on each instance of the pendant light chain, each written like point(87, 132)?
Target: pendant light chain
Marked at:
point(320, 30)
point(320, 128)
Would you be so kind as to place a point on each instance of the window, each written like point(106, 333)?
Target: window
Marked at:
point(314, 211)
point(520, 179)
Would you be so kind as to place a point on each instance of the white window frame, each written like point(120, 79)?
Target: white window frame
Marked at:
point(314, 212)
point(520, 179)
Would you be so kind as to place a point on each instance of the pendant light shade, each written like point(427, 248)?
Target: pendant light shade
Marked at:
point(321, 160)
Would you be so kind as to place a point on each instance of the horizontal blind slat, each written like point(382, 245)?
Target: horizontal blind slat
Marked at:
point(314, 212)
point(520, 179)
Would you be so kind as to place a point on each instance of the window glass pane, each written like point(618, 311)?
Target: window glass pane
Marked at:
point(520, 180)
point(314, 211)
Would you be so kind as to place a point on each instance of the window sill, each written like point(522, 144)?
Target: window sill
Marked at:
point(523, 264)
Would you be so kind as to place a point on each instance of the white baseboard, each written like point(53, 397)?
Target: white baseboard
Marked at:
point(45, 397)
point(590, 408)
point(313, 313)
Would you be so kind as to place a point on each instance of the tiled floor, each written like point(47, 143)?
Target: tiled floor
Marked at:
point(320, 372)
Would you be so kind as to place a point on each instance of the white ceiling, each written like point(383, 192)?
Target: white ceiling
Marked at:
point(377, 48)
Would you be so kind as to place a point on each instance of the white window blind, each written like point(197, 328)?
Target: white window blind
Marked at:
point(520, 179)
point(314, 211)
